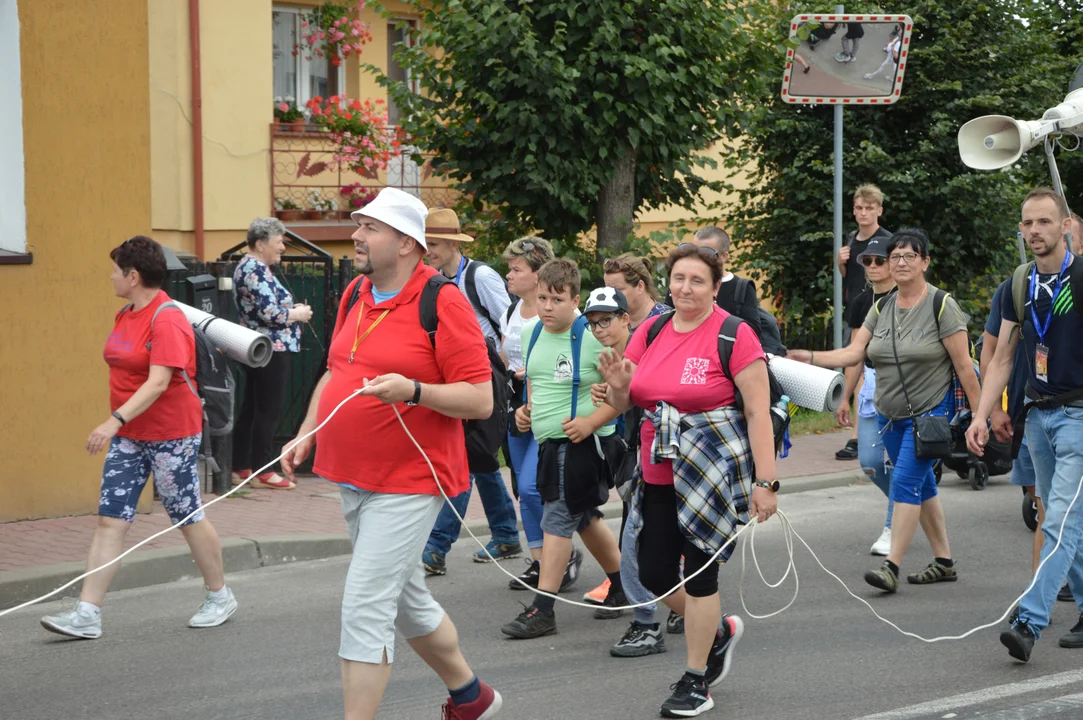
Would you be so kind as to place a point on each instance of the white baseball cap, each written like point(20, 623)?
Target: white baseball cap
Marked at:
point(400, 210)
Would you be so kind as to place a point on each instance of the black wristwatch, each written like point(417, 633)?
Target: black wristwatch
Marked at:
point(417, 395)
point(773, 486)
point(119, 418)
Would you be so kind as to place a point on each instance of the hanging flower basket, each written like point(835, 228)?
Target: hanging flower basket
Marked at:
point(330, 32)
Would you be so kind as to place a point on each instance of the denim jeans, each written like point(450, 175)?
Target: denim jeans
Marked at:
point(1058, 474)
point(870, 454)
point(499, 511)
point(524, 460)
point(912, 480)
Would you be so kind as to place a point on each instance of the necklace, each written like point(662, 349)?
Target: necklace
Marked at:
point(924, 292)
point(357, 336)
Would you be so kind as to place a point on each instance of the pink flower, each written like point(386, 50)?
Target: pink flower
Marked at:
point(367, 162)
point(283, 107)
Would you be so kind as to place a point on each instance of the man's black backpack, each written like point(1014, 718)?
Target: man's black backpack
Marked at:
point(727, 336)
point(471, 288)
point(483, 437)
point(214, 384)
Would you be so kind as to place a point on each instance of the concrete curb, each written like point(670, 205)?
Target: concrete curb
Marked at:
point(165, 565)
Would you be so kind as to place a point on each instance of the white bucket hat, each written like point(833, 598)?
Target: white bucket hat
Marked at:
point(400, 210)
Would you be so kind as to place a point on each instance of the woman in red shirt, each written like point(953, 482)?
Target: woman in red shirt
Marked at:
point(697, 479)
point(155, 426)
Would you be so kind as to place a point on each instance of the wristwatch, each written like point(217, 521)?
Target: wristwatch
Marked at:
point(773, 486)
point(417, 395)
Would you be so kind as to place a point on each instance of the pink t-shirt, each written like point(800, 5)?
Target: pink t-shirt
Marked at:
point(683, 369)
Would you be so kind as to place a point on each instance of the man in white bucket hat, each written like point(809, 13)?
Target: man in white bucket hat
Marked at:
point(388, 495)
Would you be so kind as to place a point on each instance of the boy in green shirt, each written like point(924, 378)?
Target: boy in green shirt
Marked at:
point(577, 447)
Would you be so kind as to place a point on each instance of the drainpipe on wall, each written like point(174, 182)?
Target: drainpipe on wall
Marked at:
point(197, 125)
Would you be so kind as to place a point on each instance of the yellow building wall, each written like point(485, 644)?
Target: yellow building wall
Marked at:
point(86, 143)
point(237, 89)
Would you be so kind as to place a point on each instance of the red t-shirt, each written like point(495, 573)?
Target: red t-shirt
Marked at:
point(364, 445)
point(177, 412)
point(683, 370)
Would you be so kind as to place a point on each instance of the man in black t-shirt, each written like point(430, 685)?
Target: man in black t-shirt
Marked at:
point(868, 207)
point(1051, 323)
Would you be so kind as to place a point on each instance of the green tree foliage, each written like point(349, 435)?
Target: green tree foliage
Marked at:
point(966, 59)
point(1064, 23)
point(571, 114)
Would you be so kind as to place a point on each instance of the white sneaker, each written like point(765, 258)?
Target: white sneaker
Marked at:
point(212, 612)
point(882, 546)
point(76, 623)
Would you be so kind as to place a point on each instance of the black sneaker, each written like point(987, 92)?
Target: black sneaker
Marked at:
point(721, 657)
point(1019, 639)
point(675, 623)
point(640, 640)
point(690, 698)
point(1074, 639)
point(571, 573)
point(1065, 594)
point(530, 577)
point(849, 452)
point(531, 623)
point(612, 600)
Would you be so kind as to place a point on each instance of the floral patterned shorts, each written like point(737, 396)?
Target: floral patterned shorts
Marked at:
point(128, 465)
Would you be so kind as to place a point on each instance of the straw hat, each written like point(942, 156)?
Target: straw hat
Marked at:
point(443, 224)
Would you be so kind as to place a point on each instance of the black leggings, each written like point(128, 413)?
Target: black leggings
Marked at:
point(661, 545)
point(264, 394)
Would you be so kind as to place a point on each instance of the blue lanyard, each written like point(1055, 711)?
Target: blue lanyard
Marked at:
point(462, 264)
point(1043, 328)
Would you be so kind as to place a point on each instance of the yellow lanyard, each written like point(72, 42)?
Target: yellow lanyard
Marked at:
point(357, 338)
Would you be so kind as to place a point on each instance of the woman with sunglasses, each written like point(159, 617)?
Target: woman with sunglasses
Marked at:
point(870, 448)
point(634, 278)
point(689, 496)
point(915, 354)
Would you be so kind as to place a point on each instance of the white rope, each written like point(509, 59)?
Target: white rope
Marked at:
point(787, 529)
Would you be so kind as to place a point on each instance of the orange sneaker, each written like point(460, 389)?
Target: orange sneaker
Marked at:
point(241, 476)
point(598, 595)
point(273, 481)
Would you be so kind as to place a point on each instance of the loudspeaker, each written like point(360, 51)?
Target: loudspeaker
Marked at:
point(995, 141)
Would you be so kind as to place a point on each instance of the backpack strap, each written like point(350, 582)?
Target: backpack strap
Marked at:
point(939, 298)
point(471, 288)
point(534, 335)
point(183, 372)
point(1019, 290)
point(355, 295)
point(727, 337)
point(579, 327)
point(426, 309)
point(657, 325)
point(511, 311)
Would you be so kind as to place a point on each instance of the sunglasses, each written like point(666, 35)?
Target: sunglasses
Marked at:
point(868, 260)
point(711, 252)
point(613, 265)
point(527, 246)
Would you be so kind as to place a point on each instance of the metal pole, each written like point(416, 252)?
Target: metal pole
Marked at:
point(838, 218)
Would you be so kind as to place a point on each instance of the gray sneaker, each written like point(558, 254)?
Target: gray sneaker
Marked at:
point(639, 641)
point(212, 612)
point(76, 624)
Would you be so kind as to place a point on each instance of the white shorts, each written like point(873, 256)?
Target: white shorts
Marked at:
point(385, 585)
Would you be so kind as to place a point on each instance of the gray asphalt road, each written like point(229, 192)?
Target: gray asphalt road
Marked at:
point(827, 657)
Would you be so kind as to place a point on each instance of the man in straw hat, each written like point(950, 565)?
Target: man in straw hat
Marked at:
point(388, 494)
point(489, 298)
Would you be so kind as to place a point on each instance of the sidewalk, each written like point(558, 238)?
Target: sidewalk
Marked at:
point(265, 527)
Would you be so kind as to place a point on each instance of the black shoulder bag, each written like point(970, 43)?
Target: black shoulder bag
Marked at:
point(932, 434)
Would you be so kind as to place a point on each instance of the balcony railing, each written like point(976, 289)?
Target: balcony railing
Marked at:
point(303, 168)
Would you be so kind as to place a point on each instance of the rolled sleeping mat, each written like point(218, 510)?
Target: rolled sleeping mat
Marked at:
point(809, 386)
point(247, 347)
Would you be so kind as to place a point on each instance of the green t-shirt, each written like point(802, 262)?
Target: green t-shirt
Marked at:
point(549, 369)
point(924, 358)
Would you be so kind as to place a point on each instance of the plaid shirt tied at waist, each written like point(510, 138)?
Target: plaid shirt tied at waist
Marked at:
point(712, 473)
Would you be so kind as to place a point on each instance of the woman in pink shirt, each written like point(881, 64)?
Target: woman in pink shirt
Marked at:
point(697, 480)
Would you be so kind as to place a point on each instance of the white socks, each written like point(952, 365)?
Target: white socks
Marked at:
point(88, 608)
point(222, 594)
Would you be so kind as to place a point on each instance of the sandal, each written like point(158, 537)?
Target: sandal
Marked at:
point(273, 481)
point(934, 572)
point(240, 477)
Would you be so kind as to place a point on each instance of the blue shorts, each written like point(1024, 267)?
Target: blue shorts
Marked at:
point(913, 481)
point(175, 464)
point(1023, 467)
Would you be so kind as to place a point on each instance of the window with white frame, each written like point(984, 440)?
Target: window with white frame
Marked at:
point(399, 32)
point(302, 75)
point(12, 180)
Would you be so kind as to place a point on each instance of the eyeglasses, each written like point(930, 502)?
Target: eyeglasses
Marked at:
point(603, 323)
point(868, 260)
point(907, 258)
point(705, 248)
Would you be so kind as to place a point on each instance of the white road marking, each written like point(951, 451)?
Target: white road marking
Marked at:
point(979, 697)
